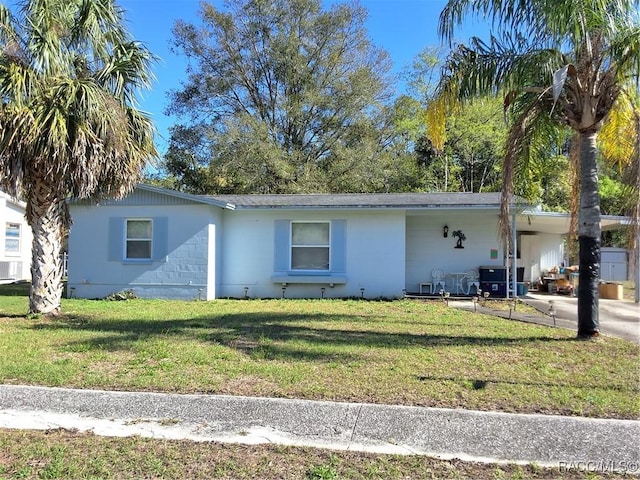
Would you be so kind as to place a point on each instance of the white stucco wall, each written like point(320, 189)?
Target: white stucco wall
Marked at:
point(375, 249)
point(214, 252)
point(427, 248)
point(183, 273)
point(14, 265)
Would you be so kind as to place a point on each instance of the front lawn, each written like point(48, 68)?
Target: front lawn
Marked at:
point(400, 352)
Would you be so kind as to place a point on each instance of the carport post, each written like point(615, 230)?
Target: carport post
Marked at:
point(514, 270)
point(637, 264)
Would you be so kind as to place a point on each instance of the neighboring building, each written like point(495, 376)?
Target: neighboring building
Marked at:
point(166, 244)
point(614, 265)
point(15, 246)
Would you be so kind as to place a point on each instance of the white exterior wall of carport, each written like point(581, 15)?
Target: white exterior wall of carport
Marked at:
point(187, 270)
point(375, 243)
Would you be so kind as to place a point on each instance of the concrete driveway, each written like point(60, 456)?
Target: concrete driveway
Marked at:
point(618, 318)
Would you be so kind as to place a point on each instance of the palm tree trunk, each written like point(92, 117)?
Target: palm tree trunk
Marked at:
point(589, 232)
point(47, 215)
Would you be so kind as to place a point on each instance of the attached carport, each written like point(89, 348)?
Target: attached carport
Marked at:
point(535, 221)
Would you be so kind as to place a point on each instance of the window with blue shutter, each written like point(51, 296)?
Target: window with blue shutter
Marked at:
point(308, 250)
point(310, 246)
point(137, 239)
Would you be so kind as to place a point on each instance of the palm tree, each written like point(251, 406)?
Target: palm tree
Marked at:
point(69, 126)
point(558, 64)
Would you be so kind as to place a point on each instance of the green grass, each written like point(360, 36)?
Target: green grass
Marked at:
point(400, 352)
point(628, 290)
point(69, 455)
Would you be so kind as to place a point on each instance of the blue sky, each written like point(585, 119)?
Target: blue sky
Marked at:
point(401, 27)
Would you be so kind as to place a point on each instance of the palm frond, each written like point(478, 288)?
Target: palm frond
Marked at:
point(70, 96)
point(617, 138)
point(531, 132)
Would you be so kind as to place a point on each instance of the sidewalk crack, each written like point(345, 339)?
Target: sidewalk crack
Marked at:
point(355, 426)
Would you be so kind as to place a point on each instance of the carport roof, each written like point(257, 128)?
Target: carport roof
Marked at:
point(559, 223)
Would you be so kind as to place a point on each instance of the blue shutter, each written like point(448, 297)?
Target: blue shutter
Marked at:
point(281, 243)
point(160, 243)
point(115, 239)
point(338, 246)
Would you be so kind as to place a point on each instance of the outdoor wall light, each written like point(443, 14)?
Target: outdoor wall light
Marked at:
point(445, 231)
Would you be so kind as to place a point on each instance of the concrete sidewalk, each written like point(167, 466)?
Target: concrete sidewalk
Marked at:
point(598, 444)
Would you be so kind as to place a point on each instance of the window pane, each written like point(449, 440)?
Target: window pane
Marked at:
point(12, 238)
point(310, 258)
point(12, 245)
point(139, 229)
point(310, 234)
point(13, 230)
point(138, 249)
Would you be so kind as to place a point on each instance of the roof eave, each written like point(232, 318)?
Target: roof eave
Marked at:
point(185, 196)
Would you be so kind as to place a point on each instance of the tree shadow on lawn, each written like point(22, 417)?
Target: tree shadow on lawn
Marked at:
point(482, 383)
point(275, 335)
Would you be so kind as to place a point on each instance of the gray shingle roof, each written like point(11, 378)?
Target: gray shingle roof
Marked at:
point(360, 200)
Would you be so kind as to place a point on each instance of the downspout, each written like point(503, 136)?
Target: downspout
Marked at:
point(507, 262)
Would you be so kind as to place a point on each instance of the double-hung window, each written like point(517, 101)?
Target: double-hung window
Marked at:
point(310, 246)
point(12, 239)
point(138, 239)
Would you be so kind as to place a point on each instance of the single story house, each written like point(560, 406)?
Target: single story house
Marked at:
point(166, 244)
point(15, 249)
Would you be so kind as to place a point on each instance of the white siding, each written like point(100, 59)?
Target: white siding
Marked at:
point(540, 253)
point(551, 251)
